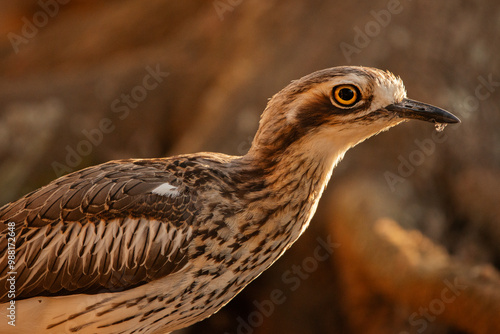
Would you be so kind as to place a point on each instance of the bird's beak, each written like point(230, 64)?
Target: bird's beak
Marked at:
point(412, 109)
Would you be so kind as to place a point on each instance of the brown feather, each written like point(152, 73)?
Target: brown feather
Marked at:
point(62, 243)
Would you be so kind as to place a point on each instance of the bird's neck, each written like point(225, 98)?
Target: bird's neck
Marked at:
point(294, 181)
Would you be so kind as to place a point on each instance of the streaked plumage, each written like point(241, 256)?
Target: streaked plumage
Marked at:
point(155, 245)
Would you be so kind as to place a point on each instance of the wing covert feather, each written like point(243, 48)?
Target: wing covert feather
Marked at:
point(99, 229)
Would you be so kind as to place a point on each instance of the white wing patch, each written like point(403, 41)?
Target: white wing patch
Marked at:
point(166, 189)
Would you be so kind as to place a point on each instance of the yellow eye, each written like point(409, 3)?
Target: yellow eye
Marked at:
point(345, 95)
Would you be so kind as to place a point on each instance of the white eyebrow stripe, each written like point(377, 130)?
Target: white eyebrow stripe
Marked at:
point(166, 189)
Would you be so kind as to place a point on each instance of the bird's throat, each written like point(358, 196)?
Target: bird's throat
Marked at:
point(295, 180)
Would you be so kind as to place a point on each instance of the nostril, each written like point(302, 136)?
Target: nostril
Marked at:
point(412, 106)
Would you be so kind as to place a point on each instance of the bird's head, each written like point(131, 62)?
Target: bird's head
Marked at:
point(329, 111)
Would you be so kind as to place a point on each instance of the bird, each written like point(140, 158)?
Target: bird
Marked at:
point(156, 245)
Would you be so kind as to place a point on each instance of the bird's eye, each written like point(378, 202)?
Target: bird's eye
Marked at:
point(345, 95)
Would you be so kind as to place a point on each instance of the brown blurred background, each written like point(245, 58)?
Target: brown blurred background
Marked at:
point(413, 215)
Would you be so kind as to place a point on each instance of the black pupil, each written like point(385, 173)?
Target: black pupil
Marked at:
point(346, 94)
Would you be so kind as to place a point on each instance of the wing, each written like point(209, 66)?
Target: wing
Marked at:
point(105, 228)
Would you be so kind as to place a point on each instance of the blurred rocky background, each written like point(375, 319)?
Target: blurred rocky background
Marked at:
point(407, 236)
